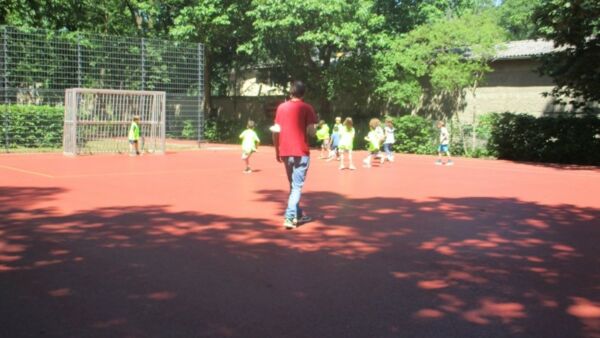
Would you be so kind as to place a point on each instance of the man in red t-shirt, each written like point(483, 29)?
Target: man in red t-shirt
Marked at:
point(293, 121)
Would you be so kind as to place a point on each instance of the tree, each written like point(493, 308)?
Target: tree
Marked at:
point(403, 16)
point(314, 41)
point(107, 17)
point(221, 26)
point(574, 26)
point(516, 18)
point(443, 57)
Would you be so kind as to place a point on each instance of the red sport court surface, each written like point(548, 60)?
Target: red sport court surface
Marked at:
point(186, 245)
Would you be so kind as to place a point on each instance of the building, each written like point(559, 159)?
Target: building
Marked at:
point(515, 85)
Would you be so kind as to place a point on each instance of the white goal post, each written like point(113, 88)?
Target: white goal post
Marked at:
point(98, 120)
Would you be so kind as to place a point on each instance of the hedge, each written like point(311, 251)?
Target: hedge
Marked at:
point(562, 139)
point(29, 126)
point(520, 137)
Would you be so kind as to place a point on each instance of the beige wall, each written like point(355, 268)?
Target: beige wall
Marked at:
point(260, 109)
point(254, 82)
point(513, 86)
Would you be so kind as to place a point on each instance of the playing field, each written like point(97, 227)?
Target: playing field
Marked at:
point(186, 245)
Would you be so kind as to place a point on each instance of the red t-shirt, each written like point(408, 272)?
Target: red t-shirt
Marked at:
point(293, 116)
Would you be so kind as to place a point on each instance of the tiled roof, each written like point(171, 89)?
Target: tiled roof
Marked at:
point(525, 49)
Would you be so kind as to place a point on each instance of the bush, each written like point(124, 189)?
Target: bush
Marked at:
point(189, 130)
point(472, 146)
point(228, 130)
point(414, 134)
point(31, 126)
point(562, 139)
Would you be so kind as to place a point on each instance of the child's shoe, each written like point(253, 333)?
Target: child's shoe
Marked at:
point(289, 224)
point(449, 162)
point(342, 167)
point(352, 167)
point(438, 162)
point(302, 220)
point(247, 171)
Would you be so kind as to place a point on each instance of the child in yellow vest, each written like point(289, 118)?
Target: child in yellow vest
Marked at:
point(134, 136)
point(346, 143)
point(250, 141)
point(323, 137)
point(374, 141)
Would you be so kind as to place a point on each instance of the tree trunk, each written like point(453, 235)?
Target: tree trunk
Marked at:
point(474, 123)
point(324, 108)
point(460, 127)
point(207, 86)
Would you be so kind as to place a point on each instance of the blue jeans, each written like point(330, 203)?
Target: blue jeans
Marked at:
point(296, 168)
point(387, 147)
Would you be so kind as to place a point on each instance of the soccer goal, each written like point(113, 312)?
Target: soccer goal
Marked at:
point(98, 120)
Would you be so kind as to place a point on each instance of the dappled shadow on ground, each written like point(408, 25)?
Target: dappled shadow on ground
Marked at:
point(456, 267)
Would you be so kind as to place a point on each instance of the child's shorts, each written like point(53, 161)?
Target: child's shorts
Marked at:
point(443, 148)
point(133, 141)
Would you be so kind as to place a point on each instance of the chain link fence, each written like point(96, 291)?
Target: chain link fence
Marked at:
point(36, 67)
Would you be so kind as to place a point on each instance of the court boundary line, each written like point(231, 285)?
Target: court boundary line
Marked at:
point(468, 165)
point(139, 173)
point(26, 171)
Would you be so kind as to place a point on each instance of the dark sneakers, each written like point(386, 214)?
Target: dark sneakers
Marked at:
point(294, 223)
point(302, 220)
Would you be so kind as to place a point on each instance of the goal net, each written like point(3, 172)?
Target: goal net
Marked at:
point(98, 120)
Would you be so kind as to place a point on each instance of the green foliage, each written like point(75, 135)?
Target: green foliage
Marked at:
point(109, 16)
point(436, 10)
point(574, 25)
point(516, 17)
point(414, 134)
point(483, 133)
point(218, 129)
point(31, 126)
point(189, 129)
point(212, 22)
point(447, 55)
point(143, 18)
point(563, 139)
point(403, 16)
point(221, 25)
point(475, 142)
point(310, 39)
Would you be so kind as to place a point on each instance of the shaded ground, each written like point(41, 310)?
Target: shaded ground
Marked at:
point(181, 249)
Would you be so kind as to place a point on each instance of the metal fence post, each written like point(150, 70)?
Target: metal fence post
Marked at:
point(5, 84)
point(143, 65)
point(78, 61)
point(200, 93)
